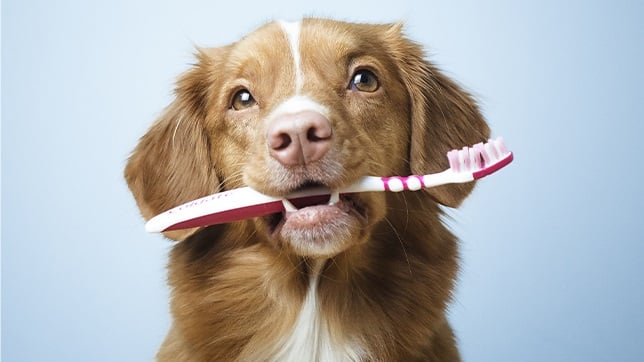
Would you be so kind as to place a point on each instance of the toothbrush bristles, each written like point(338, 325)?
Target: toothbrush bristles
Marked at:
point(477, 157)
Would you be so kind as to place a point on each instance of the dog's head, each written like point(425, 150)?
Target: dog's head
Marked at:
point(296, 105)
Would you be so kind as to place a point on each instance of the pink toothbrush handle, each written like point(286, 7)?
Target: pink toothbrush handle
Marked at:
point(229, 215)
point(241, 213)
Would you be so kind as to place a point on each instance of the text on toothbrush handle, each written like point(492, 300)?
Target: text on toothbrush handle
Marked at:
point(201, 201)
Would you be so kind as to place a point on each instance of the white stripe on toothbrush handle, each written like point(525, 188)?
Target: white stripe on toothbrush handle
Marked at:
point(417, 182)
point(403, 183)
point(365, 184)
point(407, 183)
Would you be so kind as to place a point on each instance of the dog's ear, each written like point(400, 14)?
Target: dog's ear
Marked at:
point(443, 117)
point(172, 163)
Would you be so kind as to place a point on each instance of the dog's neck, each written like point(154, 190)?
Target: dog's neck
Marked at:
point(315, 269)
point(311, 338)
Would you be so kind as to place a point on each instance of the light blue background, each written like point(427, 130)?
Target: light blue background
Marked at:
point(553, 246)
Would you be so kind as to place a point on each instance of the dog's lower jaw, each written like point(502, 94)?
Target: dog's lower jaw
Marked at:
point(321, 231)
point(324, 231)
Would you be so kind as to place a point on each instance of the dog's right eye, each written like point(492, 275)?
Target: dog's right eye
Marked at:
point(243, 100)
point(364, 81)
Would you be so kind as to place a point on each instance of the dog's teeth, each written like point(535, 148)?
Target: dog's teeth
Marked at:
point(335, 197)
point(288, 206)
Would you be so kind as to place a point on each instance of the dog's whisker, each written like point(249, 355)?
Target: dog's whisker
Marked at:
point(233, 179)
point(401, 242)
point(176, 128)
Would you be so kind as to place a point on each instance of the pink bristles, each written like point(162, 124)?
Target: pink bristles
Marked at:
point(480, 159)
point(465, 158)
point(478, 150)
point(454, 164)
point(501, 146)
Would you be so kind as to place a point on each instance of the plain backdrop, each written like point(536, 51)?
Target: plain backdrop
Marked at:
point(552, 246)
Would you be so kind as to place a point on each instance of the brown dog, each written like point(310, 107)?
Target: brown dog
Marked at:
point(290, 106)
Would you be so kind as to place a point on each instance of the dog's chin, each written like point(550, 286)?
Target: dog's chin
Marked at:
point(320, 230)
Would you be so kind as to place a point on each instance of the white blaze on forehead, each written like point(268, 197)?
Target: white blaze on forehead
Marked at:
point(298, 104)
point(292, 31)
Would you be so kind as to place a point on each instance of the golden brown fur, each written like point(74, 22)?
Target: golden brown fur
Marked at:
point(237, 289)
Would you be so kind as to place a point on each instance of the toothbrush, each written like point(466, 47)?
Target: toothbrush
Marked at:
point(467, 164)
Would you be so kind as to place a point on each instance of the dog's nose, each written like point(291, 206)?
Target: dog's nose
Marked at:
point(299, 138)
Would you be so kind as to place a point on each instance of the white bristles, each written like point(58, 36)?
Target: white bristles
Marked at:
point(452, 157)
point(500, 145)
point(463, 156)
point(487, 153)
point(477, 157)
point(475, 162)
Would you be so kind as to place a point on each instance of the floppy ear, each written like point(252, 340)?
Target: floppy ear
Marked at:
point(443, 117)
point(172, 164)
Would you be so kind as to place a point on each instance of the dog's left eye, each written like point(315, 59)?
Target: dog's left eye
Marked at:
point(243, 100)
point(364, 81)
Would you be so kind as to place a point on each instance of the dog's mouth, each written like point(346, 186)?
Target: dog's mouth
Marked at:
point(318, 224)
point(315, 207)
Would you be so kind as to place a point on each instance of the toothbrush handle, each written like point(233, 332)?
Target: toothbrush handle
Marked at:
point(245, 202)
point(406, 183)
point(403, 183)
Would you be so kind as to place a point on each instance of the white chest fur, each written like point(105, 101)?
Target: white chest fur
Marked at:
point(311, 339)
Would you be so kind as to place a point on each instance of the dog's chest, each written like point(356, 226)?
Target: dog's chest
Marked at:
point(311, 340)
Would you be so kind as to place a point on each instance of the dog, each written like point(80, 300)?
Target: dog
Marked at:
point(305, 104)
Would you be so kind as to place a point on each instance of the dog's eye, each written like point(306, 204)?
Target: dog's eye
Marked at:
point(364, 81)
point(243, 100)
